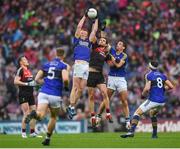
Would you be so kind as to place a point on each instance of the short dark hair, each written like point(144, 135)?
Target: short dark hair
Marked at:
point(19, 60)
point(104, 38)
point(124, 43)
point(154, 63)
point(60, 52)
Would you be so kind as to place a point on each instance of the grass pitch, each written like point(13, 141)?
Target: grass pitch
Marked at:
point(94, 140)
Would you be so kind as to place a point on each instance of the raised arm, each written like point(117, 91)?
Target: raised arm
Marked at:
point(79, 27)
point(92, 36)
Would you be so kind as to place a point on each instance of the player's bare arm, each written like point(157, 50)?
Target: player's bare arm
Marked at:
point(92, 37)
point(168, 85)
point(79, 27)
point(18, 82)
point(39, 77)
point(65, 76)
point(118, 64)
point(146, 88)
point(108, 47)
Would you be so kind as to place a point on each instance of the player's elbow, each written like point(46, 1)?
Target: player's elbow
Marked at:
point(15, 81)
point(79, 27)
point(172, 87)
point(38, 80)
point(65, 80)
point(92, 37)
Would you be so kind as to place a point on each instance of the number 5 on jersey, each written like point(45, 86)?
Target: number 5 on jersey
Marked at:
point(51, 73)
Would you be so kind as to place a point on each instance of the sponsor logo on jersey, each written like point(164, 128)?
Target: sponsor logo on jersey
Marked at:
point(84, 43)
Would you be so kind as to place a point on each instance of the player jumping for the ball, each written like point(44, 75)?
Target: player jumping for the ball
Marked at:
point(82, 49)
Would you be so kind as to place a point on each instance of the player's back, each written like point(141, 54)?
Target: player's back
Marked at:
point(53, 82)
point(157, 89)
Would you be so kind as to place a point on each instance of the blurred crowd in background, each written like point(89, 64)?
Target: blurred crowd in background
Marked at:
point(36, 28)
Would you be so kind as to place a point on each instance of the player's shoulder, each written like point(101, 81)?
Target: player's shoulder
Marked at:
point(112, 49)
point(45, 65)
point(64, 65)
point(158, 73)
point(163, 76)
point(148, 75)
point(76, 38)
point(19, 71)
point(124, 54)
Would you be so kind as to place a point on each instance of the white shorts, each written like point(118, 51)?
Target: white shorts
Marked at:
point(52, 101)
point(147, 105)
point(117, 83)
point(81, 70)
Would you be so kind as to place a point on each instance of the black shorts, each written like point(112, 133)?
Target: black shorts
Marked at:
point(95, 78)
point(27, 98)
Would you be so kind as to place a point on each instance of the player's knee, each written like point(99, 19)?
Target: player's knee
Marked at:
point(40, 115)
point(152, 113)
point(138, 112)
point(91, 97)
point(105, 95)
point(25, 112)
point(80, 90)
point(74, 89)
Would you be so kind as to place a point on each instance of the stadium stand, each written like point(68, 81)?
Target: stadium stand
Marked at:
point(36, 28)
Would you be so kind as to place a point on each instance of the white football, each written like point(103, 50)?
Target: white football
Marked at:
point(92, 13)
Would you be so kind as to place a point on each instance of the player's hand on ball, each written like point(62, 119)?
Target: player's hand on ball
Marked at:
point(92, 13)
point(86, 13)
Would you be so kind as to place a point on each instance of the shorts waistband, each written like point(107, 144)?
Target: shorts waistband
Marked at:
point(81, 62)
point(115, 75)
